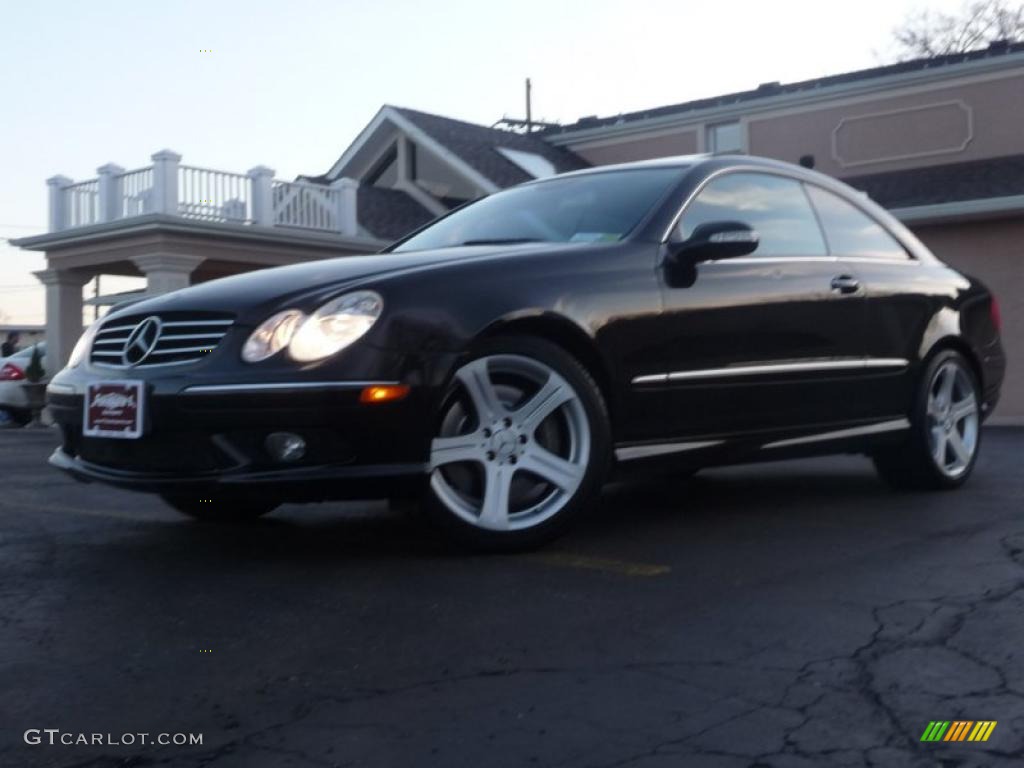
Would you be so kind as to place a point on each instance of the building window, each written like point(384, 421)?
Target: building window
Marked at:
point(725, 137)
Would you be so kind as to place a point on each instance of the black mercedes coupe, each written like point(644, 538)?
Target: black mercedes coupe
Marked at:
point(499, 363)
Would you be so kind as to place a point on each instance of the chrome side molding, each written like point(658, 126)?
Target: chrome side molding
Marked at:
point(859, 363)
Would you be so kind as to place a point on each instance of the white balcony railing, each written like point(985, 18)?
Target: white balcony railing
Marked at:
point(213, 195)
point(83, 203)
point(308, 206)
point(203, 194)
point(135, 192)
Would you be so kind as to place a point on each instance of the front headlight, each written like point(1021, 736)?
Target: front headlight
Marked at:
point(335, 325)
point(82, 345)
point(272, 335)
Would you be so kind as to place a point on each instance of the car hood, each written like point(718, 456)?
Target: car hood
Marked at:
point(254, 293)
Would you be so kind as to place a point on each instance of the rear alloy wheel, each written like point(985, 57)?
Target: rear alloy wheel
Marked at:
point(521, 447)
point(220, 507)
point(945, 429)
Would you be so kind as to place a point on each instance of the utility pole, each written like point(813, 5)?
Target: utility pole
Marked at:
point(529, 111)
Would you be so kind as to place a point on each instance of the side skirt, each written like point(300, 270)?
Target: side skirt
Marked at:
point(747, 448)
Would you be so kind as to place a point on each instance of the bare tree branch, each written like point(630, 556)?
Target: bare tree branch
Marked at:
point(928, 34)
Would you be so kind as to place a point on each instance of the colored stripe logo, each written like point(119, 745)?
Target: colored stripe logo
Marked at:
point(958, 730)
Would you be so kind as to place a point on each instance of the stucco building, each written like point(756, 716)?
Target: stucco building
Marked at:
point(937, 141)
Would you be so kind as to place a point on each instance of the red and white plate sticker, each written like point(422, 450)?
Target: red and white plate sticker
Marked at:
point(114, 409)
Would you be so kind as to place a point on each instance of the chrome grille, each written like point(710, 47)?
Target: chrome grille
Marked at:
point(182, 338)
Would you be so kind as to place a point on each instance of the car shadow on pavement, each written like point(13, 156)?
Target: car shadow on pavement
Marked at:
point(641, 508)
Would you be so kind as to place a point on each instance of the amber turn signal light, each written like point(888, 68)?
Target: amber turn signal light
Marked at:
point(383, 393)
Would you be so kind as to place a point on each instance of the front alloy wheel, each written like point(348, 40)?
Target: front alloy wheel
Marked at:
point(521, 445)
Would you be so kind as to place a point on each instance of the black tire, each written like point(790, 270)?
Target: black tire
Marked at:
point(585, 406)
point(17, 417)
point(912, 465)
point(220, 507)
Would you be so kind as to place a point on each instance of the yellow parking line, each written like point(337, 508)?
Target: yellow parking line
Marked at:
point(608, 565)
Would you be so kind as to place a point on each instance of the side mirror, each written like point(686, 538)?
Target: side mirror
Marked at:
point(717, 240)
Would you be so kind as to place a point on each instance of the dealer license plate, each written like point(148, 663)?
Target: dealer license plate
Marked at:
point(114, 409)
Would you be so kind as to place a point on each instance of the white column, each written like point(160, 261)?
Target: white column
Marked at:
point(165, 182)
point(110, 191)
point(261, 181)
point(167, 272)
point(58, 202)
point(63, 314)
point(346, 214)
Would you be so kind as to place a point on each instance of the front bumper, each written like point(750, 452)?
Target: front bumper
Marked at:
point(209, 436)
point(297, 483)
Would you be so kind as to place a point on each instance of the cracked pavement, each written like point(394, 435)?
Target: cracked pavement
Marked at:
point(787, 615)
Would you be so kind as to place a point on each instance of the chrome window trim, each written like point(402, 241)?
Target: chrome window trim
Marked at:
point(202, 389)
point(770, 368)
point(776, 260)
point(838, 434)
point(783, 174)
point(909, 261)
point(907, 255)
point(722, 172)
point(811, 259)
point(632, 452)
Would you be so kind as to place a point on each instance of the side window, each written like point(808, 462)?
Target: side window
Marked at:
point(774, 206)
point(851, 232)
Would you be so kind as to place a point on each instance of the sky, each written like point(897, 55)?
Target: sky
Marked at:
point(289, 84)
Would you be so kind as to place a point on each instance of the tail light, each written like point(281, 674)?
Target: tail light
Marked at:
point(997, 316)
point(11, 372)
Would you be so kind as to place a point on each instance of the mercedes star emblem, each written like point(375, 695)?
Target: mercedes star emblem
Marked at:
point(141, 341)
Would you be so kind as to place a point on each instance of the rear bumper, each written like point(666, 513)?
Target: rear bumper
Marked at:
point(993, 368)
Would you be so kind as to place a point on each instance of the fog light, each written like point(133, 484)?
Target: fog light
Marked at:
point(285, 446)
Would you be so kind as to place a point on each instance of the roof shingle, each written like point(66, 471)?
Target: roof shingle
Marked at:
point(477, 146)
point(389, 213)
point(954, 182)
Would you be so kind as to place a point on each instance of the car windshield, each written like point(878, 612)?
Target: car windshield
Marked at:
point(590, 208)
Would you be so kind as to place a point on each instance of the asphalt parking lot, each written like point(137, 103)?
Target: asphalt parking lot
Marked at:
point(793, 614)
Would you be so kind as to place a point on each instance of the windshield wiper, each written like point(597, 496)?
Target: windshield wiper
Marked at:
point(503, 241)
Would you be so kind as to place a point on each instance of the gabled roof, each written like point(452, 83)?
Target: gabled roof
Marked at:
point(471, 149)
point(996, 50)
point(478, 145)
point(954, 182)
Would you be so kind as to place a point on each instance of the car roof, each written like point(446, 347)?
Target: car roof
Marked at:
point(676, 161)
point(27, 351)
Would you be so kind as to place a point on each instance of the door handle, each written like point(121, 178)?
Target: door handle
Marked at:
point(845, 284)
